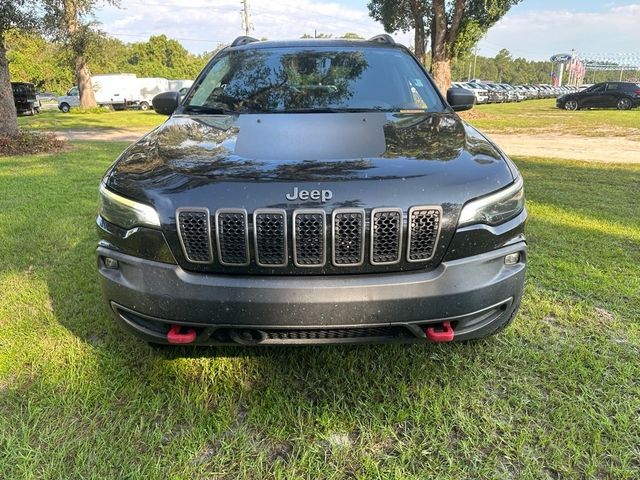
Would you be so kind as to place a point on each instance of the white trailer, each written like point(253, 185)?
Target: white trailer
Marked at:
point(148, 88)
point(177, 85)
point(119, 91)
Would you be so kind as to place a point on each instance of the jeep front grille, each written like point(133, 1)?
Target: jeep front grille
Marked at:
point(270, 237)
point(233, 237)
point(386, 236)
point(195, 234)
point(309, 232)
point(348, 235)
point(347, 239)
point(424, 227)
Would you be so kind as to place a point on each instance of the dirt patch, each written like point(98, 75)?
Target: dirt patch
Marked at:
point(115, 135)
point(474, 114)
point(572, 147)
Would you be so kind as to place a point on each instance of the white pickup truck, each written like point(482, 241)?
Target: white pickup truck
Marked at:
point(120, 91)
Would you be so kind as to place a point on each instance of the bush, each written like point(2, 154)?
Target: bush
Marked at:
point(29, 143)
point(83, 111)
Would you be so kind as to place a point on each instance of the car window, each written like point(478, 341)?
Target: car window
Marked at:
point(612, 86)
point(595, 88)
point(306, 79)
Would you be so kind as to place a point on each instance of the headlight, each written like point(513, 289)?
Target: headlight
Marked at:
point(124, 212)
point(494, 208)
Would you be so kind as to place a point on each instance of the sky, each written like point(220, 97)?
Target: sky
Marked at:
point(533, 29)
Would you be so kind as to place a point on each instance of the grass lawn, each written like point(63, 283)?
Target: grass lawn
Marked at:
point(54, 120)
point(557, 395)
point(542, 116)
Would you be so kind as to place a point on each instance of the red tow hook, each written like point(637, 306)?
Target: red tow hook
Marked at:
point(176, 336)
point(442, 334)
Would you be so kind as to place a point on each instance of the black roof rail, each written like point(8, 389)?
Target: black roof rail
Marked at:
point(243, 40)
point(382, 38)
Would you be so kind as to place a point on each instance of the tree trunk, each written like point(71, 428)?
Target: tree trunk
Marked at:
point(419, 38)
point(83, 75)
point(83, 80)
point(440, 54)
point(441, 71)
point(8, 119)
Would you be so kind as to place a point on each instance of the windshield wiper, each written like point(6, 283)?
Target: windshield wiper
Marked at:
point(208, 110)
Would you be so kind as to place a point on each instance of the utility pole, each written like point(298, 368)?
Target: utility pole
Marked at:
point(245, 17)
point(475, 59)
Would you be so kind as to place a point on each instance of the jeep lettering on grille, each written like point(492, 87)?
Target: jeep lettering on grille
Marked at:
point(322, 195)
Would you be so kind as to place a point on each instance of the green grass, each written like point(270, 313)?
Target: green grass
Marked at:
point(50, 120)
point(542, 116)
point(555, 396)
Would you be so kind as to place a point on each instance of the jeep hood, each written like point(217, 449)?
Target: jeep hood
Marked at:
point(253, 160)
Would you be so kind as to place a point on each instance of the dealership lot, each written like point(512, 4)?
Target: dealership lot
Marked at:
point(555, 395)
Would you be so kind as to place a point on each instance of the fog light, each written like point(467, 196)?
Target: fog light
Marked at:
point(110, 263)
point(512, 258)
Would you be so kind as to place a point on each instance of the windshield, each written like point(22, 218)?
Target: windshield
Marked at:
point(279, 80)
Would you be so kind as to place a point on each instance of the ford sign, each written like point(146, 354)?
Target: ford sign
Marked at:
point(561, 57)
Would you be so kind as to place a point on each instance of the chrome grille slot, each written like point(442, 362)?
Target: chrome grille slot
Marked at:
point(348, 237)
point(194, 233)
point(424, 229)
point(309, 230)
point(386, 235)
point(270, 237)
point(232, 236)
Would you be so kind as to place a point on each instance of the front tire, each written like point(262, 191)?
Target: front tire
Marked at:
point(571, 105)
point(144, 106)
point(624, 104)
point(64, 107)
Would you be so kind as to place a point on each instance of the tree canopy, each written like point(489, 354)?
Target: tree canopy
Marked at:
point(49, 65)
point(453, 27)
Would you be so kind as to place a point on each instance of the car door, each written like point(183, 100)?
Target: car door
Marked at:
point(592, 96)
point(611, 95)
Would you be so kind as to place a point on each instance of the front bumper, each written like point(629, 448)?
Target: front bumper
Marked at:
point(477, 295)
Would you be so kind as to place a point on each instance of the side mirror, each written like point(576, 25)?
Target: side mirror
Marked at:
point(460, 99)
point(166, 103)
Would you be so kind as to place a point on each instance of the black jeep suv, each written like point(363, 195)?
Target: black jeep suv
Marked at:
point(312, 192)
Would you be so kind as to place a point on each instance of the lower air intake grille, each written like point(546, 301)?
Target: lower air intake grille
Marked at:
point(348, 229)
point(386, 236)
point(232, 237)
point(270, 234)
point(194, 232)
point(335, 333)
point(309, 241)
point(424, 226)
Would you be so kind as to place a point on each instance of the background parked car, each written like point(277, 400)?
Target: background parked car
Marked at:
point(481, 94)
point(620, 95)
point(25, 98)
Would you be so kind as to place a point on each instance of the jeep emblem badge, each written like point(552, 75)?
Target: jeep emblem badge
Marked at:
point(322, 195)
